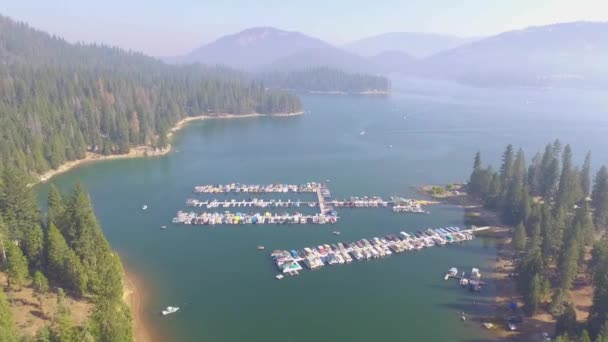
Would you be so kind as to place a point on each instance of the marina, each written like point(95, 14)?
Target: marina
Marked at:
point(325, 205)
point(288, 261)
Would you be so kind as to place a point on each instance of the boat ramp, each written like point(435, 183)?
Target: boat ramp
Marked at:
point(288, 261)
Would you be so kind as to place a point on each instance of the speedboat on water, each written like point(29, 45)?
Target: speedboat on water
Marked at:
point(144, 207)
point(169, 310)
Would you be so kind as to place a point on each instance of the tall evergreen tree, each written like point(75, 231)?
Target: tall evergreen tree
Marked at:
point(565, 193)
point(598, 314)
point(17, 204)
point(599, 197)
point(56, 207)
point(520, 239)
point(7, 326)
point(507, 167)
point(586, 175)
point(16, 265)
point(566, 323)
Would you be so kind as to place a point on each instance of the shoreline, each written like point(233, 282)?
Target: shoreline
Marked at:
point(135, 296)
point(502, 267)
point(146, 150)
point(338, 92)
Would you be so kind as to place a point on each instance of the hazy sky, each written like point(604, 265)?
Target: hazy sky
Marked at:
point(173, 27)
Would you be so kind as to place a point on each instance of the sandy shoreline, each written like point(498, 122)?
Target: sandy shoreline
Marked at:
point(148, 151)
point(135, 295)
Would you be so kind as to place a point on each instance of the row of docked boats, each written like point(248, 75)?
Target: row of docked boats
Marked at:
point(414, 209)
point(288, 261)
point(205, 218)
point(257, 188)
point(256, 203)
point(363, 202)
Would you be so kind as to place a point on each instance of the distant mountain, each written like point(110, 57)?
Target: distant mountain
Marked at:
point(330, 57)
point(414, 44)
point(252, 48)
point(393, 61)
point(571, 53)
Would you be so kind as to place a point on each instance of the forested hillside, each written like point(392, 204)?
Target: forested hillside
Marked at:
point(63, 251)
point(560, 213)
point(59, 100)
point(325, 80)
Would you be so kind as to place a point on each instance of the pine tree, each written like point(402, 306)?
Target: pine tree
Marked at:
point(41, 285)
point(63, 325)
point(586, 175)
point(519, 239)
point(7, 326)
point(111, 322)
point(566, 323)
point(33, 244)
point(16, 265)
point(598, 314)
point(532, 297)
point(565, 193)
point(56, 207)
point(62, 262)
point(599, 197)
point(17, 204)
point(507, 167)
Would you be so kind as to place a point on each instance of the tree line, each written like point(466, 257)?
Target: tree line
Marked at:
point(324, 79)
point(60, 100)
point(558, 211)
point(64, 249)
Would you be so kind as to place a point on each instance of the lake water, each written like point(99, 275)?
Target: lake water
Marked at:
point(226, 287)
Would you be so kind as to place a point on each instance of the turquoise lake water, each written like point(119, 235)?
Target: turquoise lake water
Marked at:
point(226, 287)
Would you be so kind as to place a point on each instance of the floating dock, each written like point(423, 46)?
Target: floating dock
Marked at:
point(344, 253)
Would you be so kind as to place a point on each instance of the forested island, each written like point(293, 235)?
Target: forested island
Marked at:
point(560, 217)
point(326, 80)
point(59, 101)
point(60, 254)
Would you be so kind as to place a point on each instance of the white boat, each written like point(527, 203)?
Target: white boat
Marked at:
point(279, 276)
point(144, 207)
point(169, 310)
point(362, 132)
point(336, 232)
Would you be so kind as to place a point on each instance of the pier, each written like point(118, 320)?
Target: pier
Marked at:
point(288, 261)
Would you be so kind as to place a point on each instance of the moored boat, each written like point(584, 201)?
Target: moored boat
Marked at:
point(169, 310)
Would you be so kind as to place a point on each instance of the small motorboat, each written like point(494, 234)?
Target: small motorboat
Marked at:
point(144, 207)
point(279, 276)
point(261, 248)
point(169, 310)
point(362, 132)
point(336, 232)
point(163, 227)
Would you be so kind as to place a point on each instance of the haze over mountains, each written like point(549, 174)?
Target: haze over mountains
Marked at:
point(415, 44)
point(253, 48)
point(567, 52)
